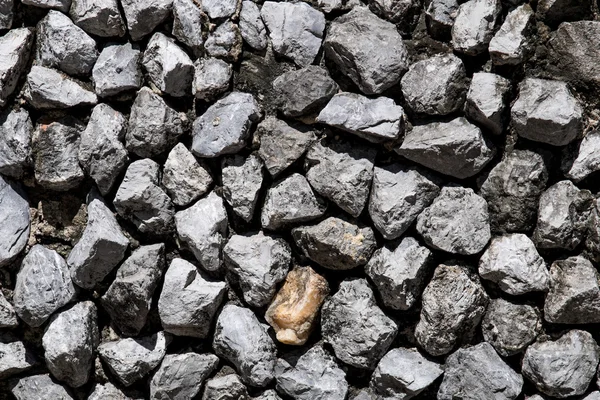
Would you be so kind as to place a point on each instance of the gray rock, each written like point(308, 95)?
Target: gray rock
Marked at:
point(47, 89)
point(512, 190)
point(290, 201)
point(404, 373)
point(221, 8)
point(375, 120)
point(183, 177)
point(15, 142)
point(563, 214)
point(101, 247)
point(169, 68)
point(180, 376)
point(242, 179)
point(242, 340)
point(225, 42)
point(457, 222)
point(252, 26)
point(143, 17)
point(546, 111)
point(341, 173)
point(511, 44)
point(592, 242)
point(336, 244)
point(108, 391)
point(8, 316)
point(117, 70)
point(553, 12)
point(129, 297)
point(98, 17)
point(211, 78)
point(228, 387)
point(141, 200)
point(510, 327)
point(440, 16)
point(456, 148)
point(512, 261)
point(587, 160)
point(453, 304)
point(329, 6)
point(15, 47)
point(14, 359)
point(61, 5)
point(272, 395)
point(304, 91)
point(70, 341)
point(14, 221)
point(102, 154)
point(225, 126)
point(577, 354)
point(592, 396)
point(258, 263)
point(400, 275)
point(315, 375)
point(436, 85)
point(487, 100)
point(190, 25)
point(131, 359)
point(404, 13)
point(6, 14)
point(38, 387)
point(296, 30)
point(367, 49)
point(474, 26)
point(203, 228)
point(43, 286)
point(573, 52)
point(188, 302)
point(479, 373)
point(62, 44)
point(281, 143)
point(398, 195)
point(364, 395)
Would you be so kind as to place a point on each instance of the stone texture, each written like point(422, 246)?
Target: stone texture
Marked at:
point(8, 316)
point(211, 78)
point(474, 26)
point(48, 89)
point(190, 25)
point(252, 26)
point(117, 70)
point(439, 17)
point(98, 17)
point(511, 44)
point(242, 179)
point(6, 14)
point(38, 387)
point(329, 6)
point(15, 142)
point(143, 17)
point(225, 42)
point(15, 47)
point(108, 391)
point(14, 221)
point(587, 160)
point(487, 100)
point(14, 359)
point(221, 8)
point(227, 387)
point(553, 12)
point(184, 178)
point(180, 376)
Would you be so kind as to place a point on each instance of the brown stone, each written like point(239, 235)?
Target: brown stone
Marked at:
point(294, 310)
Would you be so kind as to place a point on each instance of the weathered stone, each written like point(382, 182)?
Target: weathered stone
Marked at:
point(8, 316)
point(15, 142)
point(272, 395)
point(439, 17)
point(38, 387)
point(294, 310)
point(61, 5)
point(14, 359)
point(117, 70)
point(143, 17)
point(188, 301)
point(221, 8)
point(252, 26)
point(14, 221)
point(15, 47)
point(183, 177)
point(592, 242)
point(486, 101)
point(98, 17)
point(225, 42)
point(352, 323)
point(587, 160)
point(180, 376)
point(573, 51)
point(211, 78)
point(329, 6)
point(553, 12)
point(108, 391)
point(242, 179)
point(367, 49)
point(474, 26)
point(453, 304)
point(228, 387)
point(511, 44)
point(190, 25)
point(404, 13)
point(6, 14)
point(47, 89)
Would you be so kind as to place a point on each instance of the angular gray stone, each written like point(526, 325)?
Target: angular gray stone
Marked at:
point(290, 201)
point(314, 375)
point(479, 372)
point(98, 17)
point(456, 148)
point(487, 100)
point(563, 215)
point(436, 85)
point(398, 195)
point(184, 178)
point(15, 47)
point(131, 359)
point(142, 201)
point(512, 261)
point(335, 243)
point(225, 126)
point(143, 17)
point(573, 51)
point(117, 70)
point(242, 179)
point(61, 5)
point(337, 5)
point(546, 111)
point(258, 263)
point(16, 130)
point(47, 89)
point(70, 341)
point(295, 29)
point(252, 26)
point(14, 359)
point(553, 12)
point(404, 13)
point(180, 376)
point(8, 316)
point(304, 91)
point(341, 173)
point(375, 120)
point(242, 340)
point(367, 49)
point(188, 301)
point(211, 78)
point(457, 222)
point(225, 42)
point(400, 275)
point(453, 304)
point(14, 221)
point(101, 247)
point(102, 154)
point(439, 17)
point(592, 242)
point(108, 391)
point(404, 373)
point(6, 14)
point(474, 26)
point(587, 160)
point(272, 395)
point(511, 44)
point(202, 228)
point(577, 354)
point(129, 297)
point(510, 327)
point(43, 286)
point(38, 387)
point(190, 25)
point(221, 8)
point(169, 68)
point(228, 387)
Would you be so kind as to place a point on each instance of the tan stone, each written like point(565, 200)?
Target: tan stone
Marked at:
point(295, 308)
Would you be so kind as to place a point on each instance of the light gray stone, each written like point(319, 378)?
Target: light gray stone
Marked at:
point(14, 359)
point(180, 376)
point(184, 178)
point(15, 47)
point(439, 17)
point(143, 16)
point(16, 130)
point(487, 100)
point(47, 89)
point(190, 25)
point(14, 221)
point(217, 9)
point(38, 387)
point(228, 387)
point(329, 6)
point(511, 44)
point(588, 158)
point(211, 78)
point(225, 42)
point(8, 316)
point(252, 26)
point(474, 26)
point(98, 17)
point(242, 179)
point(6, 14)
point(272, 395)
point(108, 391)
point(117, 70)
point(61, 5)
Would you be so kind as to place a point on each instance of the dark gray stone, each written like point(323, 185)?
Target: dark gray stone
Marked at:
point(16, 130)
point(38, 387)
point(15, 47)
point(225, 42)
point(180, 376)
point(190, 25)
point(143, 17)
point(6, 14)
point(440, 16)
point(487, 100)
point(573, 51)
point(48, 89)
point(242, 179)
point(553, 12)
point(15, 222)
point(211, 78)
point(228, 387)
point(184, 178)
point(8, 316)
point(252, 26)
point(98, 17)
point(117, 70)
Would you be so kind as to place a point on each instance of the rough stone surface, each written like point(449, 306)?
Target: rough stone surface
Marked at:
point(587, 160)
point(49, 89)
point(440, 16)
point(228, 387)
point(15, 47)
point(252, 26)
point(474, 25)
point(184, 178)
point(225, 42)
point(510, 45)
point(117, 70)
point(98, 17)
point(15, 222)
point(486, 101)
point(190, 25)
point(15, 142)
point(180, 376)
point(553, 12)
point(242, 179)
point(6, 14)
point(108, 391)
point(211, 78)
point(14, 359)
point(143, 17)
point(38, 387)
point(221, 8)
point(8, 316)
